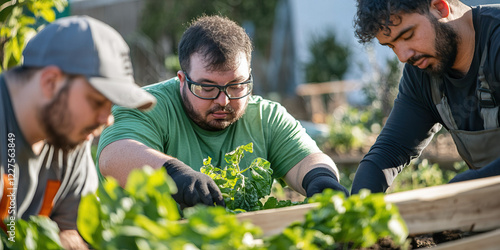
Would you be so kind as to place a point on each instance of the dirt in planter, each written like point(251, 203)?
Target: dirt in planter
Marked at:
point(415, 241)
point(431, 240)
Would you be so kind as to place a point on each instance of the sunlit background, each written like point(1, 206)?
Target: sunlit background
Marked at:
point(306, 57)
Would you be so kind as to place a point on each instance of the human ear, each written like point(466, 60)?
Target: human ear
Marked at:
point(50, 81)
point(182, 77)
point(441, 8)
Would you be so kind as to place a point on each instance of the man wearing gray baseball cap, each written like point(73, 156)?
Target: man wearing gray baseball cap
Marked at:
point(51, 106)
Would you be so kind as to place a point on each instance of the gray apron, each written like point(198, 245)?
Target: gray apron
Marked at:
point(477, 148)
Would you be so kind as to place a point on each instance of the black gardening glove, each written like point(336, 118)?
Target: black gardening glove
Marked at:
point(192, 187)
point(492, 169)
point(319, 179)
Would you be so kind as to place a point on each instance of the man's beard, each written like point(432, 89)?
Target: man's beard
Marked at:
point(446, 48)
point(57, 120)
point(215, 125)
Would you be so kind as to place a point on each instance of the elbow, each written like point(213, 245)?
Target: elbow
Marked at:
point(105, 163)
point(103, 166)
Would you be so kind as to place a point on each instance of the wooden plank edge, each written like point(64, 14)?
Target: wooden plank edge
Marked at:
point(485, 241)
point(466, 206)
point(273, 221)
point(441, 191)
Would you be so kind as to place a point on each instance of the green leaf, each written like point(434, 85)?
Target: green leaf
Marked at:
point(5, 13)
point(272, 202)
point(261, 176)
point(40, 232)
point(48, 232)
point(88, 220)
point(48, 14)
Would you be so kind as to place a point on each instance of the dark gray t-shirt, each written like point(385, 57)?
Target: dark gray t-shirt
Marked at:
point(37, 178)
point(411, 124)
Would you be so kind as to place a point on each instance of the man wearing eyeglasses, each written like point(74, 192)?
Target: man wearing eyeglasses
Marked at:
point(207, 111)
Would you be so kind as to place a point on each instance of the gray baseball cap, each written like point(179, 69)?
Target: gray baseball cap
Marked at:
point(86, 46)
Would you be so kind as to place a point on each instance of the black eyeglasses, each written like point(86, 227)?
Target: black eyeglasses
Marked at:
point(211, 91)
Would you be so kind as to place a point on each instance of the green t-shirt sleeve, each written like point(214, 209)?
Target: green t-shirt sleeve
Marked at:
point(146, 127)
point(288, 141)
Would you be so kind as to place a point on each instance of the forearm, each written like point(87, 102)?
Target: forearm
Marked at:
point(119, 158)
point(369, 177)
point(71, 239)
point(296, 175)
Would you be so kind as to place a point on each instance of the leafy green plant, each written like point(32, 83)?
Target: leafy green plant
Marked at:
point(40, 232)
point(359, 220)
point(244, 192)
point(145, 216)
point(19, 21)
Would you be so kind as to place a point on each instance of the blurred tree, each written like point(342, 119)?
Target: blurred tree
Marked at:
point(329, 59)
point(171, 18)
point(19, 21)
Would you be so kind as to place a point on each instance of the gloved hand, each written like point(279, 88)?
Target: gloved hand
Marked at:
point(192, 187)
point(319, 179)
point(492, 169)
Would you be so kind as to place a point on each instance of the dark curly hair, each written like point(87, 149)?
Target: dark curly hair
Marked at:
point(218, 39)
point(374, 16)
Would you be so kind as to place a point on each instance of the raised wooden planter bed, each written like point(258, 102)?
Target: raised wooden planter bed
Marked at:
point(471, 206)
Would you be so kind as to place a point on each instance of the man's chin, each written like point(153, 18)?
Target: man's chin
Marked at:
point(435, 70)
point(217, 125)
point(64, 143)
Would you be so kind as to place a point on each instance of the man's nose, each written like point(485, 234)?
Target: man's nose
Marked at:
point(222, 99)
point(403, 52)
point(105, 117)
point(109, 120)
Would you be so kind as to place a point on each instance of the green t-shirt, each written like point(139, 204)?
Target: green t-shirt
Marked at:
point(275, 134)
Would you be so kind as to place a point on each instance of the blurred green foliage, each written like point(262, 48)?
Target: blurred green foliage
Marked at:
point(171, 18)
point(359, 220)
point(349, 128)
point(383, 89)
point(39, 232)
point(19, 21)
point(329, 59)
point(421, 173)
point(418, 174)
point(145, 216)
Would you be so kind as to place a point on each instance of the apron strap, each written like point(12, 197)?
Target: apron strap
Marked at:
point(487, 103)
point(437, 94)
point(441, 103)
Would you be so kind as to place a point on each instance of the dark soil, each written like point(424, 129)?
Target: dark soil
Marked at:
point(413, 241)
point(420, 240)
